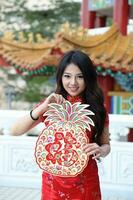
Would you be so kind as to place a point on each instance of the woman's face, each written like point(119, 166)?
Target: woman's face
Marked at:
point(72, 80)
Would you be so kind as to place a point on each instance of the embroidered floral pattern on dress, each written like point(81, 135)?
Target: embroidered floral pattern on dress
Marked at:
point(50, 180)
point(63, 195)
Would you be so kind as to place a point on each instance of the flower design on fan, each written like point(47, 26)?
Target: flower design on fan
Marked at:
point(59, 147)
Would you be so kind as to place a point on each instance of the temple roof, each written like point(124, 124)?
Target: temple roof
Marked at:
point(110, 50)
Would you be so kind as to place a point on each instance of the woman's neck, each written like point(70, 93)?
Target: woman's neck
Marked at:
point(74, 99)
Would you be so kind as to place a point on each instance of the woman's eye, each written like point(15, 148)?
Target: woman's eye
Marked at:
point(66, 76)
point(80, 76)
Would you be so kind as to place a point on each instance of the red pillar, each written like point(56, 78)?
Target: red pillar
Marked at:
point(107, 84)
point(91, 19)
point(88, 17)
point(101, 21)
point(121, 14)
point(84, 13)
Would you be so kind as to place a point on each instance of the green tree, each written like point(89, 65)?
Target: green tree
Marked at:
point(44, 21)
point(16, 17)
point(35, 89)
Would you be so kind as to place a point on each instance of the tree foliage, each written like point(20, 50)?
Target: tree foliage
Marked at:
point(34, 90)
point(44, 21)
point(17, 17)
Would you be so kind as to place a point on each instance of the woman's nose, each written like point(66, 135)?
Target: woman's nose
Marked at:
point(73, 80)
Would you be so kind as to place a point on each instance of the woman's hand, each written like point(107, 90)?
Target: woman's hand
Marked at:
point(96, 151)
point(43, 107)
point(55, 98)
point(92, 149)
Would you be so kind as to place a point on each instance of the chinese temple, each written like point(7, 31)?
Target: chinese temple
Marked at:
point(111, 52)
point(97, 14)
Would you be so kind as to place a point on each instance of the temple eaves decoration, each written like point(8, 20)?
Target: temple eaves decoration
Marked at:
point(109, 51)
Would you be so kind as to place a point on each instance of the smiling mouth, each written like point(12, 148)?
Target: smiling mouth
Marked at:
point(73, 89)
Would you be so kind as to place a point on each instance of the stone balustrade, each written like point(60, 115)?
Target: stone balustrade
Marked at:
point(18, 166)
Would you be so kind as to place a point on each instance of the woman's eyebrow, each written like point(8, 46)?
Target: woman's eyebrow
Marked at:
point(75, 74)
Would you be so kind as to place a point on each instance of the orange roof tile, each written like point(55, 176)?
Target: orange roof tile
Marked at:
point(109, 50)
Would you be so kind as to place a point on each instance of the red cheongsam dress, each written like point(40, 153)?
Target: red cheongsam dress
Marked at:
point(84, 186)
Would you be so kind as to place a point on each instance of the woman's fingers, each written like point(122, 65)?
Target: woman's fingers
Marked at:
point(61, 99)
point(56, 98)
point(52, 98)
point(92, 150)
point(90, 147)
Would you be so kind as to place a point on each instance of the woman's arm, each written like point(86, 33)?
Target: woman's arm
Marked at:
point(27, 122)
point(105, 142)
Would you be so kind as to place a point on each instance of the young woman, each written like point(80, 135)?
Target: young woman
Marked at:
point(76, 82)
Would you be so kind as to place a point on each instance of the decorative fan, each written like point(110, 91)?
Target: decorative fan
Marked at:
point(59, 147)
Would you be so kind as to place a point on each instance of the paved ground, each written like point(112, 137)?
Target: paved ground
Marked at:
point(19, 194)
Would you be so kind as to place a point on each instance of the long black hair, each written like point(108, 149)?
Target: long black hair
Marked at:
point(92, 94)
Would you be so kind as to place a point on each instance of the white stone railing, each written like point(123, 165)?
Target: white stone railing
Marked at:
point(119, 124)
point(8, 117)
point(18, 166)
point(116, 172)
point(19, 169)
point(17, 162)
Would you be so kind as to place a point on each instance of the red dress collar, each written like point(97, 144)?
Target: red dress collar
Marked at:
point(74, 99)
